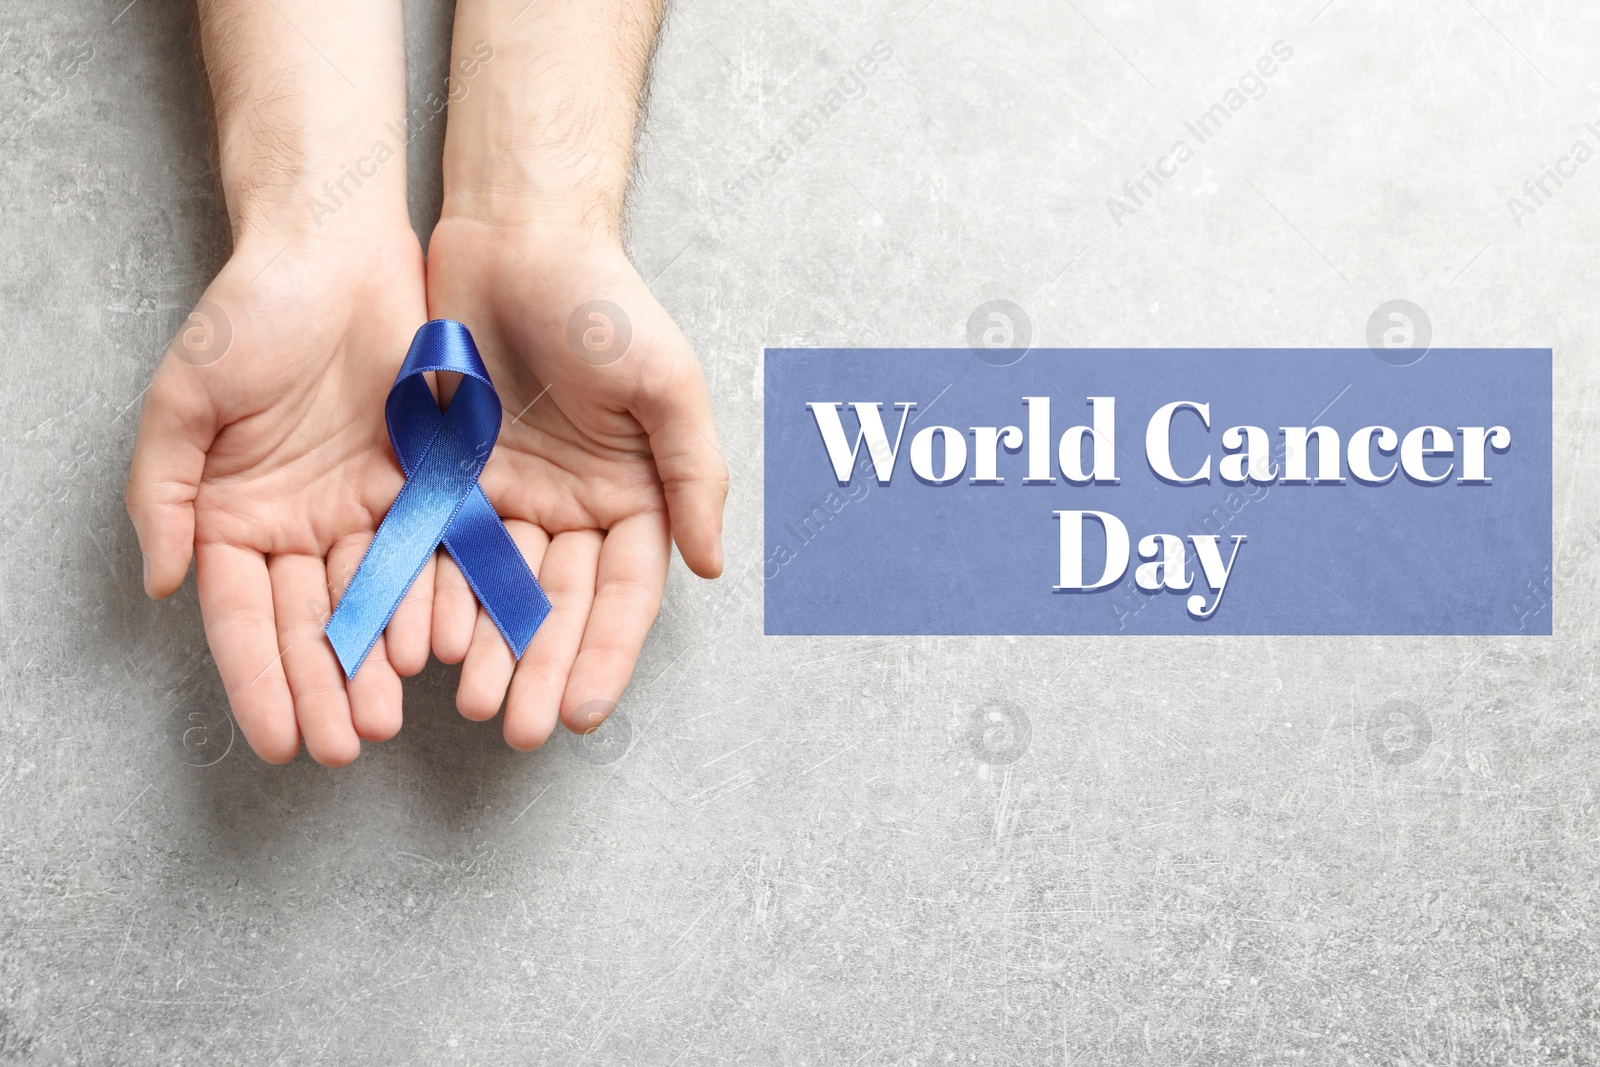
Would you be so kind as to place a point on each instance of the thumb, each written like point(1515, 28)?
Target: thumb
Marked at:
point(675, 410)
point(176, 428)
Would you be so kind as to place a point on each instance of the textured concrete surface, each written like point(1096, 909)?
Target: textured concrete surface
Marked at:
point(1041, 851)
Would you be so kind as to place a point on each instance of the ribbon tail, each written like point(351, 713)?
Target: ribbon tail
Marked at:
point(493, 565)
point(373, 596)
point(405, 540)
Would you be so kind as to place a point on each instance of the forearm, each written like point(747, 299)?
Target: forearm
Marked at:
point(543, 136)
point(309, 98)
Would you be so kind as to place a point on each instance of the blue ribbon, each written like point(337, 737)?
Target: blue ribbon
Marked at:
point(442, 452)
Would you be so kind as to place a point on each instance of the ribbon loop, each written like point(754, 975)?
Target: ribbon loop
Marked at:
point(442, 453)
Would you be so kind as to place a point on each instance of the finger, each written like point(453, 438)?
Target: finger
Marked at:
point(489, 664)
point(535, 697)
point(407, 635)
point(321, 703)
point(628, 588)
point(410, 629)
point(375, 692)
point(176, 428)
point(236, 603)
point(455, 611)
point(674, 408)
point(375, 697)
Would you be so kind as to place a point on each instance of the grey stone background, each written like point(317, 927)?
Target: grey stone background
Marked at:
point(835, 851)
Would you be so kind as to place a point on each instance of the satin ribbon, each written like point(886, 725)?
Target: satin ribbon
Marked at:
point(442, 453)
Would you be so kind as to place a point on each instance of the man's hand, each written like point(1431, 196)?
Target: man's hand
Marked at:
point(608, 451)
point(262, 449)
point(607, 446)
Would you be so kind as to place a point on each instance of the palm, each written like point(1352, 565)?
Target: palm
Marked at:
point(604, 447)
point(289, 366)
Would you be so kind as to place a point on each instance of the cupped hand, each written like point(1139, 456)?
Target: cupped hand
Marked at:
point(262, 452)
point(607, 453)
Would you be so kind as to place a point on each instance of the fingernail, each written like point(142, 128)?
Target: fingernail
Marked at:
point(146, 573)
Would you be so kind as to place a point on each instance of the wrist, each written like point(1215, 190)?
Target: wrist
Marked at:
point(548, 245)
point(505, 189)
point(305, 93)
point(317, 188)
point(514, 160)
point(343, 258)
